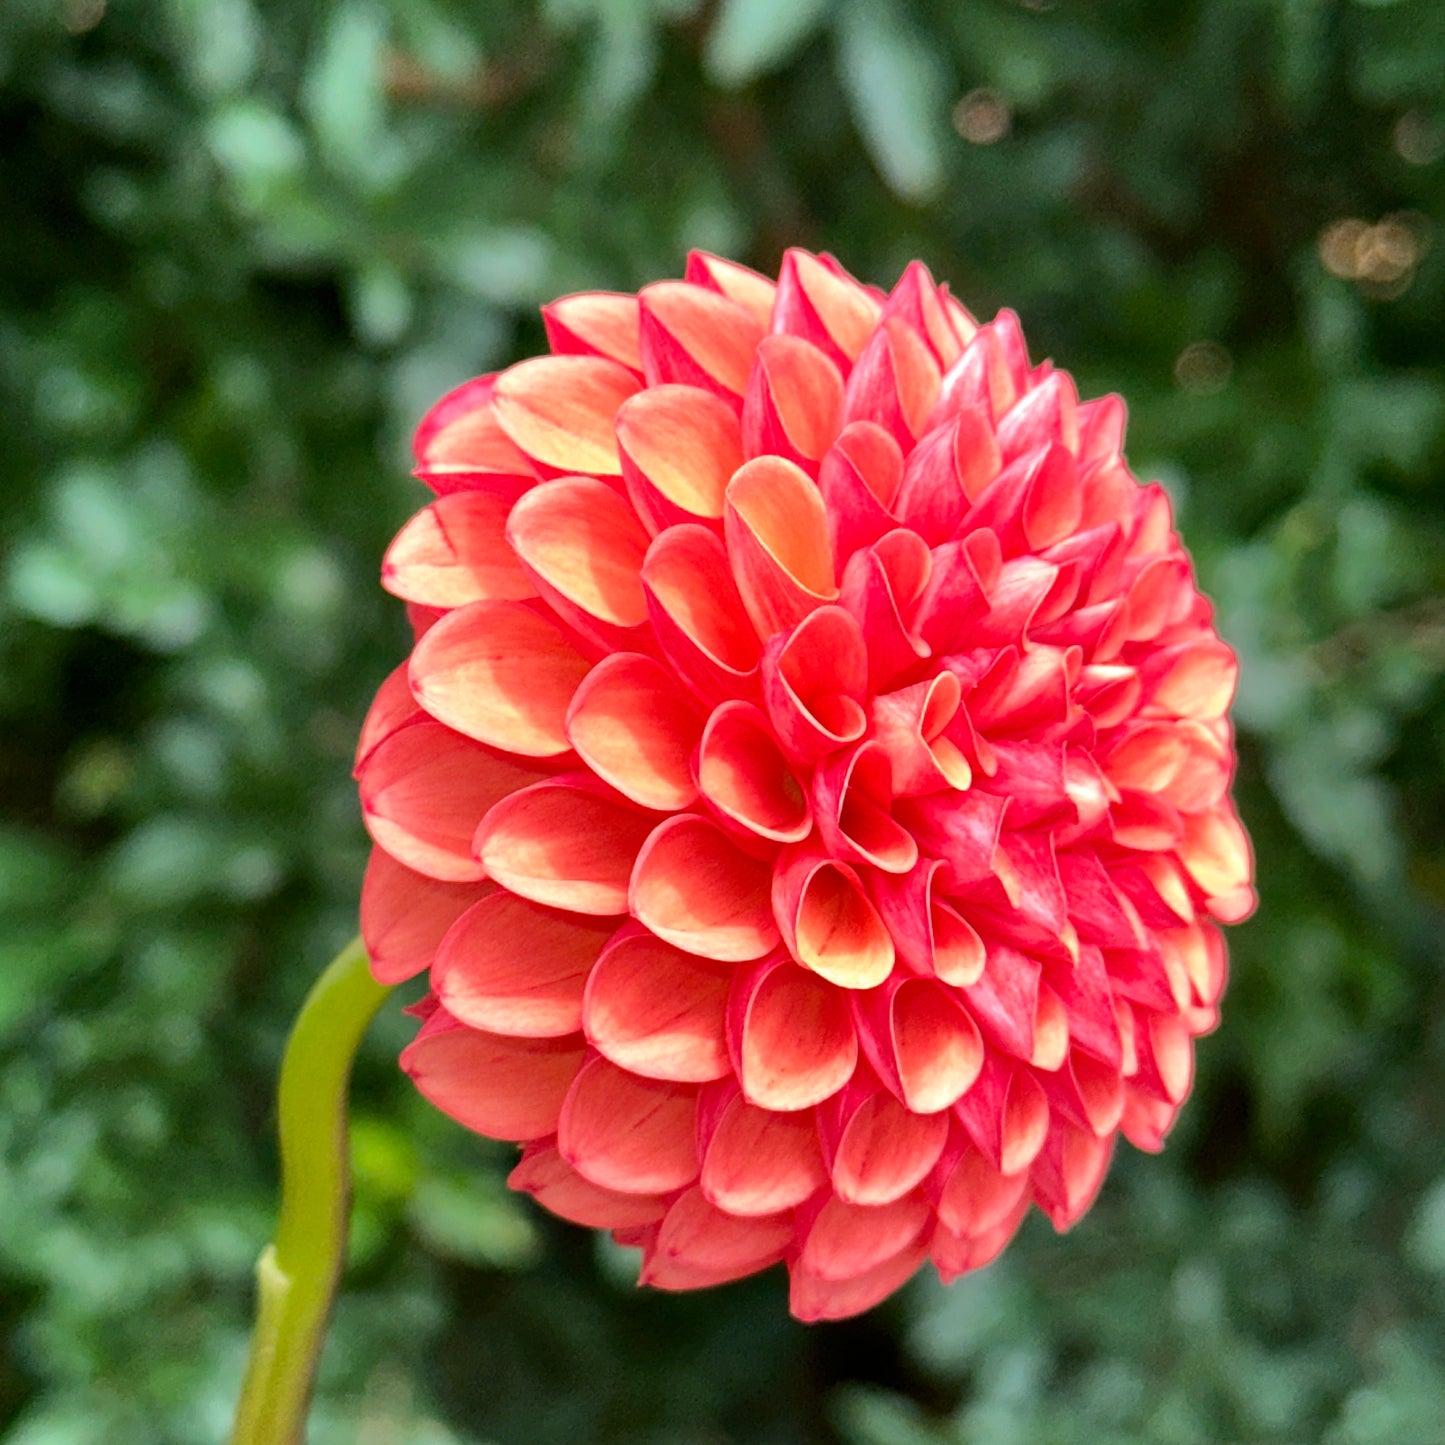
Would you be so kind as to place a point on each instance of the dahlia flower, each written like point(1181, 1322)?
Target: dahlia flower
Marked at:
point(808, 790)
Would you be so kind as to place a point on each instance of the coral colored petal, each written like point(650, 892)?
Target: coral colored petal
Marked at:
point(931, 937)
point(790, 1036)
point(757, 1161)
point(881, 588)
point(827, 922)
point(697, 337)
point(955, 1254)
point(627, 1133)
point(404, 915)
point(680, 446)
point(813, 683)
point(1045, 415)
point(580, 538)
point(501, 673)
point(425, 788)
point(859, 478)
point(566, 842)
point(454, 552)
point(919, 302)
point(883, 1150)
point(958, 596)
point(811, 1298)
point(778, 544)
point(846, 1240)
point(1148, 756)
point(894, 383)
point(631, 725)
point(506, 1088)
point(694, 887)
point(657, 1011)
point(851, 796)
point(392, 709)
point(698, 1238)
point(946, 471)
point(752, 292)
point(825, 307)
point(1215, 850)
point(909, 725)
point(1166, 1056)
point(793, 402)
point(975, 1197)
point(742, 773)
point(595, 323)
point(1006, 1114)
point(1195, 680)
point(697, 615)
point(556, 1185)
point(937, 1051)
point(514, 967)
point(1068, 1173)
point(460, 444)
point(558, 410)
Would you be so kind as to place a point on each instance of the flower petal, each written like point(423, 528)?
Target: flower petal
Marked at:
point(1006, 1114)
point(743, 775)
point(680, 447)
point(931, 937)
point(595, 323)
point(505, 1088)
point(813, 682)
point(812, 1298)
point(697, 615)
point(657, 1011)
point(501, 673)
point(824, 305)
point(859, 478)
point(778, 545)
point(514, 967)
point(851, 797)
point(404, 915)
point(582, 540)
point(698, 337)
point(878, 1149)
point(556, 1185)
point(757, 1161)
point(631, 725)
point(626, 1133)
point(454, 552)
point(701, 1244)
point(752, 292)
point(425, 788)
point(845, 1241)
point(881, 587)
point(566, 842)
point(558, 411)
point(826, 920)
point(895, 383)
point(790, 1036)
point(793, 402)
point(694, 887)
point(974, 1197)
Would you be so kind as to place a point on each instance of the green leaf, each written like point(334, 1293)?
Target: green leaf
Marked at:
point(751, 37)
point(896, 88)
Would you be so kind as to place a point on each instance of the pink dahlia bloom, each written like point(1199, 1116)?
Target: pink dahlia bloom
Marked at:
point(808, 790)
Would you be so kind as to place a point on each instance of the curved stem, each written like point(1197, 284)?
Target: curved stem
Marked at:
point(297, 1274)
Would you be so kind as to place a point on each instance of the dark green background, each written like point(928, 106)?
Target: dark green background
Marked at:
point(243, 243)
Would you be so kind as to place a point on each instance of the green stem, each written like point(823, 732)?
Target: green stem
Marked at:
point(296, 1276)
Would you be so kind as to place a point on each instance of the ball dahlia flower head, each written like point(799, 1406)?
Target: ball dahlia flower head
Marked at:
point(808, 790)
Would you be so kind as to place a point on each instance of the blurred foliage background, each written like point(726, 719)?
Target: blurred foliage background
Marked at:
point(245, 242)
